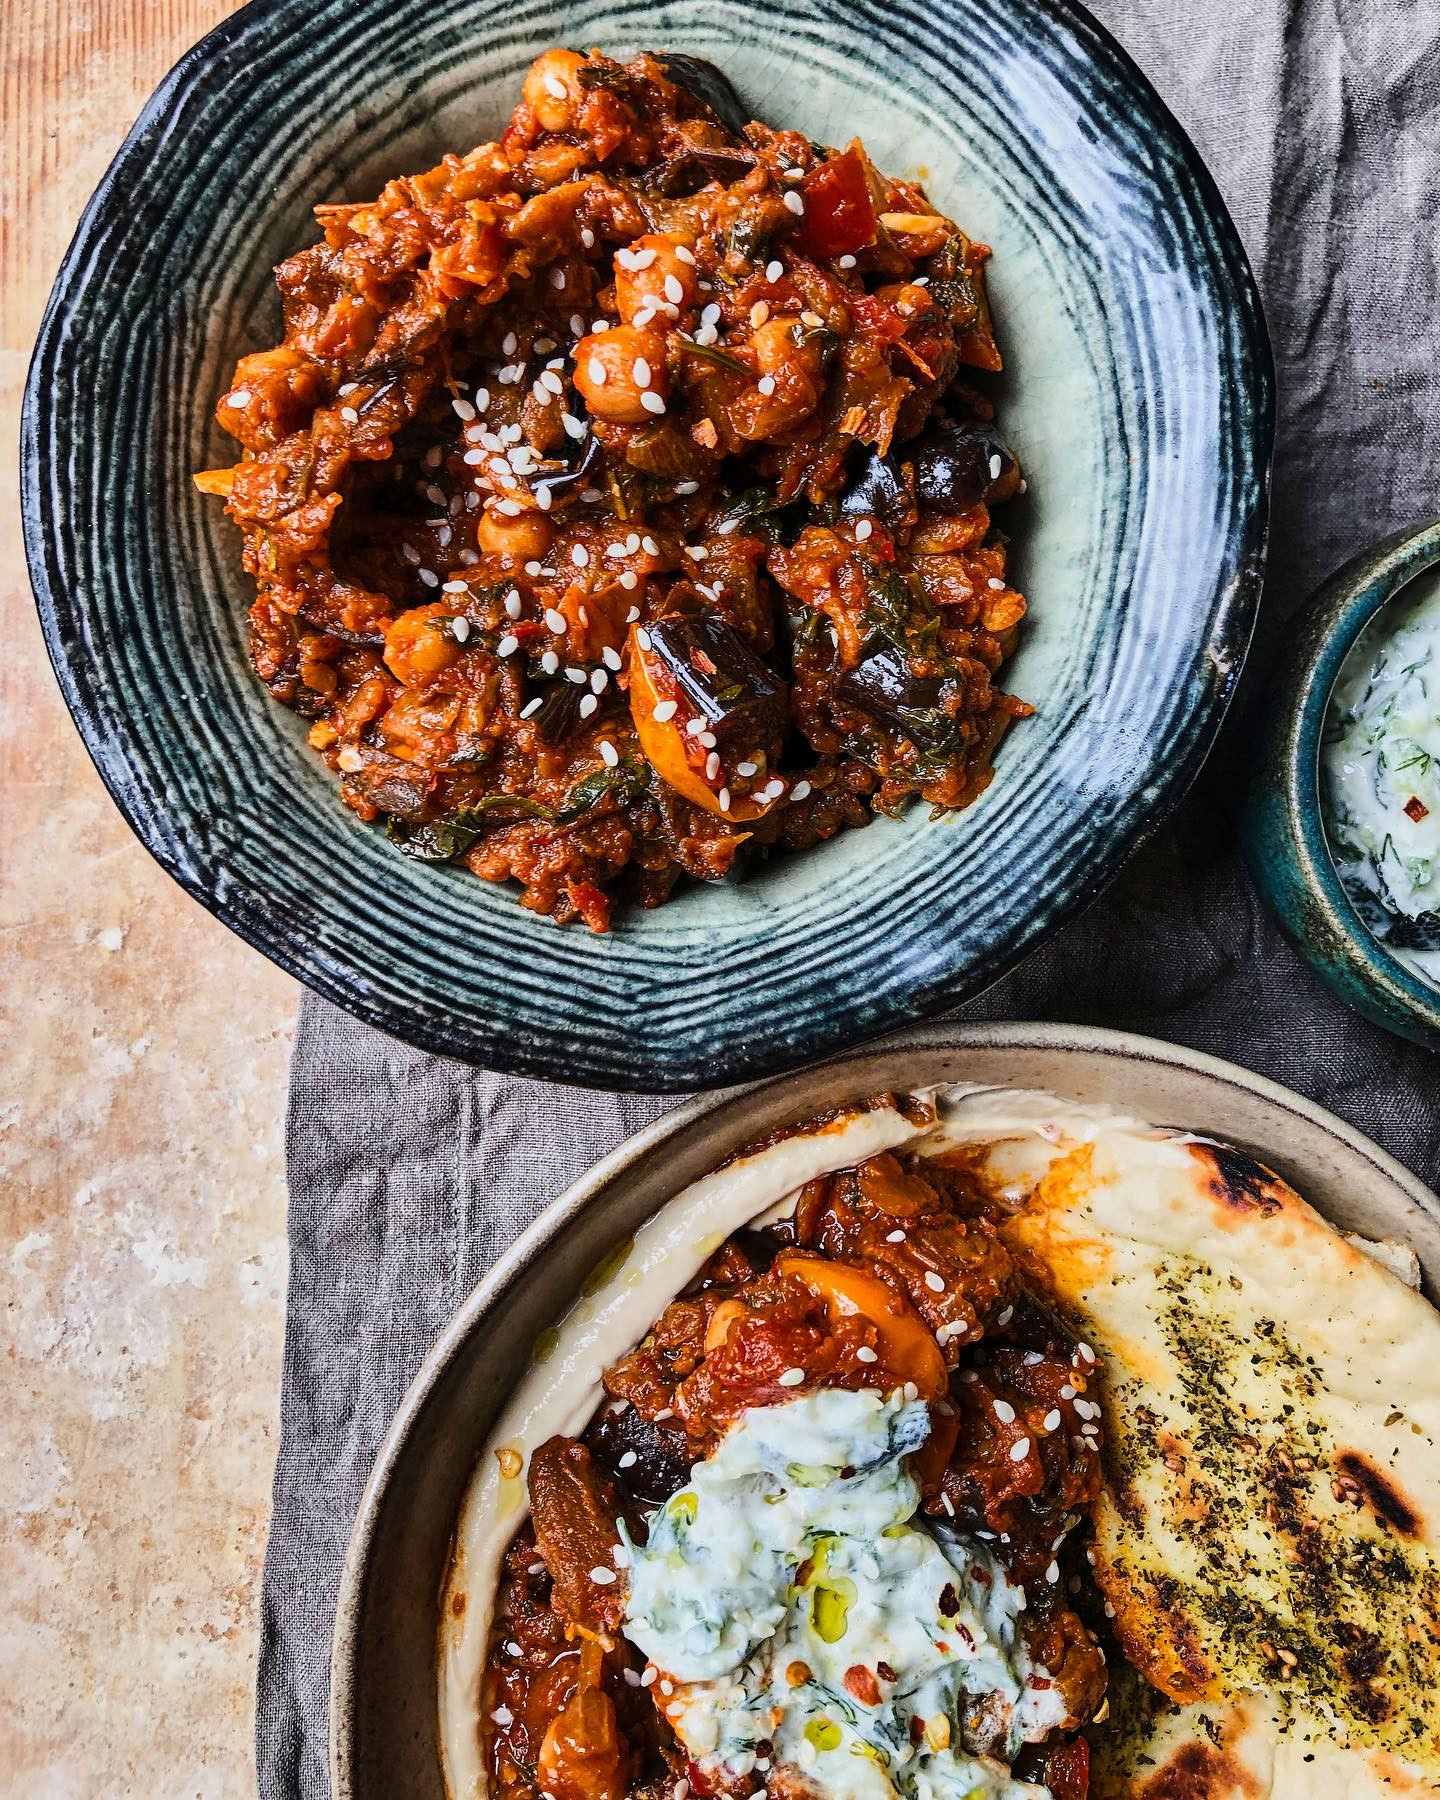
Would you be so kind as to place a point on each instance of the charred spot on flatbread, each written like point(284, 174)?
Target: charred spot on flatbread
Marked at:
point(1378, 1492)
point(1201, 1772)
point(1240, 1183)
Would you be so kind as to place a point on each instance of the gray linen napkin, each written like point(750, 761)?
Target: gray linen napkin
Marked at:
point(408, 1175)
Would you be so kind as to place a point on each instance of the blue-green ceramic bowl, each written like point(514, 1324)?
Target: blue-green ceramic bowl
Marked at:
point(1283, 826)
point(1138, 397)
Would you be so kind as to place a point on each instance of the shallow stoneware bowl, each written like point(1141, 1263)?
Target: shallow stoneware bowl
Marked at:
point(1138, 397)
point(382, 1711)
point(1283, 828)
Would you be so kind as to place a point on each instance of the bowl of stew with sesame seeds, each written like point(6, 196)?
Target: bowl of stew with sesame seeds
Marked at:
point(622, 496)
point(641, 550)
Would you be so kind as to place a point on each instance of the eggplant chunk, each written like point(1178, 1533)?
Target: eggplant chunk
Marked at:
point(688, 668)
point(661, 1466)
point(720, 678)
point(575, 1533)
point(884, 687)
point(712, 87)
point(877, 490)
point(958, 465)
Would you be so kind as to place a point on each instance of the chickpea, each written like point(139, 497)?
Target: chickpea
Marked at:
point(417, 645)
point(515, 537)
point(781, 344)
point(666, 281)
point(553, 90)
point(618, 371)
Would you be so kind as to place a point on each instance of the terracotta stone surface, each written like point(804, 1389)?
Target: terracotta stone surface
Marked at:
point(142, 1091)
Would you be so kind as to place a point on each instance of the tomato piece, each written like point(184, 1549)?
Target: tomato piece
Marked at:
point(906, 1346)
point(1067, 1771)
point(839, 216)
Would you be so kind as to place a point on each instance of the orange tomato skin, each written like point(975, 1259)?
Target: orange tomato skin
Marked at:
point(906, 1345)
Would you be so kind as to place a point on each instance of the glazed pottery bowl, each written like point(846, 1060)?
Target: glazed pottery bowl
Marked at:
point(383, 1666)
point(1138, 396)
point(1284, 828)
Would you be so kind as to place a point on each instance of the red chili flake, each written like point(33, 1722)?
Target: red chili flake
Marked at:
point(860, 1684)
point(839, 217)
point(1416, 809)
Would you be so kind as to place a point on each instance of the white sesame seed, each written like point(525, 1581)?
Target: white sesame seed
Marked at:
point(792, 1378)
point(995, 467)
point(430, 578)
point(1020, 1449)
point(649, 546)
point(243, 396)
point(434, 495)
point(508, 645)
point(684, 254)
point(640, 369)
point(460, 629)
point(1085, 1353)
point(510, 344)
point(628, 1460)
point(578, 676)
point(574, 427)
point(454, 587)
point(588, 705)
point(611, 658)
point(579, 555)
point(510, 508)
point(531, 707)
point(557, 279)
point(795, 202)
point(502, 1715)
point(1051, 1421)
point(652, 402)
point(632, 615)
point(463, 410)
point(1052, 1572)
point(745, 768)
point(599, 681)
point(597, 371)
point(642, 638)
point(726, 526)
point(845, 262)
point(598, 325)
point(766, 384)
point(687, 487)
point(549, 379)
point(724, 799)
point(555, 87)
point(549, 662)
point(555, 620)
point(863, 530)
point(349, 415)
point(895, 1237)
point(934, 1282)
point(759, 313)
point(800, 791)
point(865, 1354)
point(1004, 1412)
point(673, 289)
point(642, 259)
point(712, 766)
point(609, 755)
point(587, 237)
point(544, 496)
point(666, 710)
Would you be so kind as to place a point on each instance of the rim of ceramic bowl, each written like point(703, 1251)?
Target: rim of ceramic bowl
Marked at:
point(260, 918)
point(591, 1189)
point(1327, 631)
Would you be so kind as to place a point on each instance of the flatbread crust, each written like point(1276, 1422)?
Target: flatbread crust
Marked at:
point(1272, 1413)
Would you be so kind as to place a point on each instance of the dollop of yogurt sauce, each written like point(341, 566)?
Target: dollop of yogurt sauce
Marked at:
point(1381, 764)
point(793, 1615)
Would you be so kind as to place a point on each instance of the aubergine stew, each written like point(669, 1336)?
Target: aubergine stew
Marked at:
point(619, 499)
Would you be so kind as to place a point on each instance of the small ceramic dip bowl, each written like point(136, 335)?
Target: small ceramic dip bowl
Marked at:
point(1289, 834)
